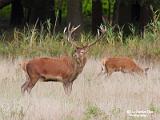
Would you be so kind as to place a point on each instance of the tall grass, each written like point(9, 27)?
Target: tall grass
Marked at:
point(42, 42)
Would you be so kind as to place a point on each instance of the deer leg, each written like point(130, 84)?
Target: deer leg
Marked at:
point(29, 87)
point(24, 87)
point(132, 73)
point(67, 87)
point(33, 80)
point(109, 72)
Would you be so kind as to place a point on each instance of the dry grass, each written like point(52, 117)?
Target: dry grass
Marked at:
point(92, 98)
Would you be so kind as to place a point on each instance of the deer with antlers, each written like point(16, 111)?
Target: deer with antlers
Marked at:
point(64, 69)
point(122, 64)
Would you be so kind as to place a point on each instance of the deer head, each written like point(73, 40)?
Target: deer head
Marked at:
point(80, 51)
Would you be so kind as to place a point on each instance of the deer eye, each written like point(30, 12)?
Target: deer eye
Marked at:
point(82, 52)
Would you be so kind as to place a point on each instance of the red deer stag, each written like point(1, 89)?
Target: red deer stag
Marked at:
point(63, 69)
point(123, 64)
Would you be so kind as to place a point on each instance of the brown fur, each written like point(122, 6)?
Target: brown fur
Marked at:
point(62, 69)
point(123, 64)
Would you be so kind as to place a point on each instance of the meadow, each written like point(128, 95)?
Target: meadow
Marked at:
point(92, 98)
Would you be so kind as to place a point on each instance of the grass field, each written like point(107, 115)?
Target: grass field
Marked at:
point(92, 98)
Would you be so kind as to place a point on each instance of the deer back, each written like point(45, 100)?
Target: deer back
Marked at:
point(51, 67)
point(122, 64)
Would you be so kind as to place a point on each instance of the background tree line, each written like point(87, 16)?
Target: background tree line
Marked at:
point(92, 12)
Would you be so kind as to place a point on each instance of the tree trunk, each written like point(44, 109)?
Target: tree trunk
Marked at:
point(17, 15)
point(75, 13)
point(96, 15)
point(60, 16)
point(109, 11)
point(60, 12)
point(116, 12)
point(40, 11)
point(52, 11)
point(146, 16)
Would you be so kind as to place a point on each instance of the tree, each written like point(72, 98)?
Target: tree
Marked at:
point(146, 16)
point(52, 11)
point(116, 12)
point(74, 13)
point(17, 15)
point(135, 12)
point(109, 11)
point(39, 11)
point(96, 15)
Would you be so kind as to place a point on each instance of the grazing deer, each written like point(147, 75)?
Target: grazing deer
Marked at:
point(123, 64)
point(64, 69)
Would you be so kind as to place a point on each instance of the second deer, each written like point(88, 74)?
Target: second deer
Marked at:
point(122, 64)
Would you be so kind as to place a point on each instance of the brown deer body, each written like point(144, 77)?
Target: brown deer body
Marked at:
point(64, 69)
point(123, 64)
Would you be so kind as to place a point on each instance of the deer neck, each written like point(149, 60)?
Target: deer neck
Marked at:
point(79, 63)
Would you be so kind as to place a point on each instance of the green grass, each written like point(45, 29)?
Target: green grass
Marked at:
point(93, 112)
point(154, 108)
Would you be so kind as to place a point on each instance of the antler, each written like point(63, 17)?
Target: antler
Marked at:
point(101, 29)
point(69, 34)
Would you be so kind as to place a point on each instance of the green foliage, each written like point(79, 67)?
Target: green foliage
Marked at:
point(5, 12)
point(115, 111)
point(105, 4)
point(87, 7)
point(32, 42)
point(154, 108)
point(93, 112)
point(62, 5)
